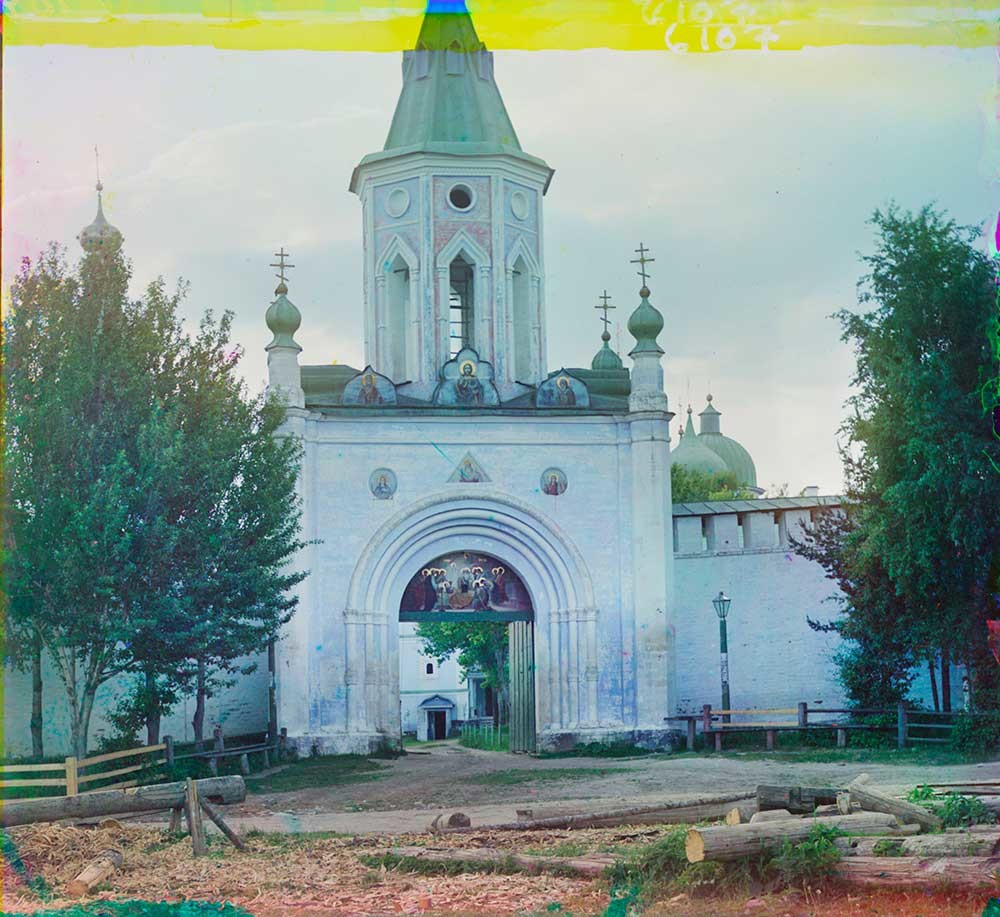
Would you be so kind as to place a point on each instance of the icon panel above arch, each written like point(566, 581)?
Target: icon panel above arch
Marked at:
point(562, 390)
point(369, 389)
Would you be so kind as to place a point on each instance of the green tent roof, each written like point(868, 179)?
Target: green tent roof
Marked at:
point(450, 103)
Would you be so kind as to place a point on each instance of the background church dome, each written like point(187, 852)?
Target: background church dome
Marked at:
point(735, 456)
point(606, 359)
point(695, 455)
point(100, 234)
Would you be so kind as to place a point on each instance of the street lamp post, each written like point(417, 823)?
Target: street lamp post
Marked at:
point(722, 603)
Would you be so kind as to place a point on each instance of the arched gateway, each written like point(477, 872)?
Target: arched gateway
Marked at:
point(553, 638)
point(470, 587)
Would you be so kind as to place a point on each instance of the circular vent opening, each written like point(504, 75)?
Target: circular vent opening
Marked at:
point(460, 197)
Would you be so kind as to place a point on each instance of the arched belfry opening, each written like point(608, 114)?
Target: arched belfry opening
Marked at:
point(522, 320)
point(478, 602)
point(461, 305)
point(399, 320)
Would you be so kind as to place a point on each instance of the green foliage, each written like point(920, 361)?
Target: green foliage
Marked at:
point(888, 847)
point(480, 645)
point(976, 734)
point(688, 485)
point(151, 510)
point(920, 793)
point(961, 811)
point(487, 739)
point(144, 909)
point(808, 861)
point(504, 866)
point(916, 554)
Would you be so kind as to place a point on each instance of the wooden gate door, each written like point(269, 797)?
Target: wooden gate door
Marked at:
point(520, 635)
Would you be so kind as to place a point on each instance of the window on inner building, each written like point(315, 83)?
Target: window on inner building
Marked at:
point(460, 306)
point(429, 668)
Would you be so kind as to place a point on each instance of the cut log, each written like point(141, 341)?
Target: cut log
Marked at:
point(872, 800)
point(732, 843)
point(772, 815)
point(104, 865)
point(160, 796)
point(220, 823)
point(591, 865)
point(801, 799)
point(924, 845)
point(662, 814)
point(973, 829)
point(844, 802)
point(917, 872)
point(734, 816)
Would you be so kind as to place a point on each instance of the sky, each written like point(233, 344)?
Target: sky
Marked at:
point(751, 176)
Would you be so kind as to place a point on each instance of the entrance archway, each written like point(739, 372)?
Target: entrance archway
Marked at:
point(492, 606)
point(472, 518)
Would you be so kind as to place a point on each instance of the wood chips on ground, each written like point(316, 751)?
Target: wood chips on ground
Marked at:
point(286, 875)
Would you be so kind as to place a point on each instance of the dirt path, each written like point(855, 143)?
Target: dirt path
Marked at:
point(489, 786)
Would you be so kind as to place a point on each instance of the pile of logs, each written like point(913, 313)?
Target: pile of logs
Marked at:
point(882, 839)
point(190, 797)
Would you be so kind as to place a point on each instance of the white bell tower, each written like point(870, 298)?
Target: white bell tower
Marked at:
point(452, 210)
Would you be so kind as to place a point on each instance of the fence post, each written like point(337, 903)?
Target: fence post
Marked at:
point(901, 725)
point(706, 718)
point(168, 741)
point(803, 713)
point(690, 736)
point(72, 775)
point(282, 742)
point(245, 764)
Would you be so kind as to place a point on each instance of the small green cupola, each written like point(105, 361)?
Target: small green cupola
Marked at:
point(283, 317)
point(606, 359)
point(644, 324)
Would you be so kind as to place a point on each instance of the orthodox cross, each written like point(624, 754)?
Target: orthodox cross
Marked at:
point(97, 165)
point(280, 264)
point(642, 260)
point(604, 307)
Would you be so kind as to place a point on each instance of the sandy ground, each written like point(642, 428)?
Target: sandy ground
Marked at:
point(415, 787)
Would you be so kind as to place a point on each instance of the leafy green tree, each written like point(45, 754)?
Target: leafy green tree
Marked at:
point(142, 486)
point(689, 485)
point(480, 645)
point(919, 453)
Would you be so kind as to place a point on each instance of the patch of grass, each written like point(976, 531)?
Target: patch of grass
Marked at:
point(326, 770)
point(888, 847)
point(562, 849)
point(941, 755)
point(600, 750)
point(962, 811)
point(513, 777)
point(505, 866)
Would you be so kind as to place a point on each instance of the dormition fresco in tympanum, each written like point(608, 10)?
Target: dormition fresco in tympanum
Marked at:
point(465, 581)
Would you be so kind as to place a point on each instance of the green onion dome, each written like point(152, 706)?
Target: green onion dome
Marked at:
point(606, 359)
point(736, 457)
point(695, 455)
point(99, 235)
point(644, 325)
point(283, 318)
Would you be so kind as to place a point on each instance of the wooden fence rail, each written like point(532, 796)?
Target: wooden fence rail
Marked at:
point(77, 772)
point(717, 723)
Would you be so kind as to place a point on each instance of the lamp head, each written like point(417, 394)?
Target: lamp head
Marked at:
point(722, 603)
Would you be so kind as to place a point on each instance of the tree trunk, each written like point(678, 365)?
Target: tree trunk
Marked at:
point(152, 710)
point(799, 799)
point(934, 691)
point(738, 841)
point(152, 798)
point(945, 681)
point(591, 865)
point(924, 845)
point(917, 872)
point(199, 707)
point(37, 744)
point(872, 800)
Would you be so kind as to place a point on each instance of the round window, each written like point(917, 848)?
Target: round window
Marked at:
point(460, 197)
